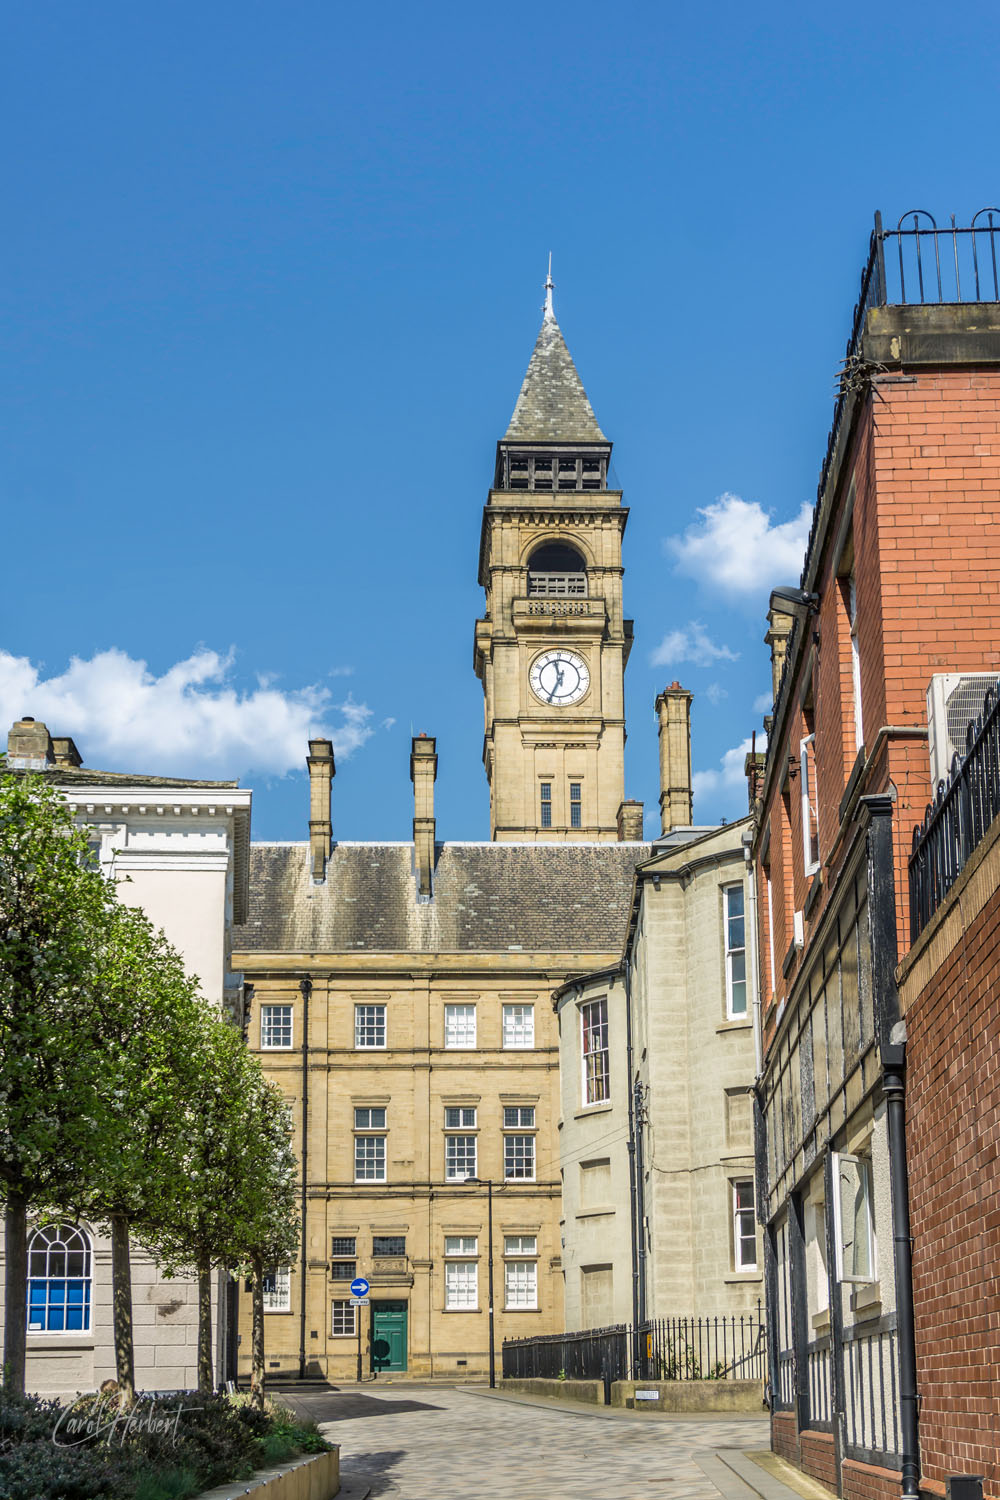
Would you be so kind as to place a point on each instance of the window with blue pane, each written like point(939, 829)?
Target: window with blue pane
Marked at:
point(59, 1280)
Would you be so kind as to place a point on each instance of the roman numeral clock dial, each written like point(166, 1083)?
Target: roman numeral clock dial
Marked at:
point(559, 678)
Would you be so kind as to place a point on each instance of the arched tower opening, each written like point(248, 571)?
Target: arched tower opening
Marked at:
point(557, 571)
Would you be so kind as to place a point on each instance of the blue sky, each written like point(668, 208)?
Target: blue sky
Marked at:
point(270, 278)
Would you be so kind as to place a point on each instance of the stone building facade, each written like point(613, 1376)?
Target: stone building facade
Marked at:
point(899, 585)
point(181, 850)
point(656, 1059)
point(402, 992)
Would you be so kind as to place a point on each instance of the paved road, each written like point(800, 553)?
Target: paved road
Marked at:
point(429, 1443)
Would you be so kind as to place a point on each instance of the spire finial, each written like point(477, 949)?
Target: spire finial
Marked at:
point(549, 284)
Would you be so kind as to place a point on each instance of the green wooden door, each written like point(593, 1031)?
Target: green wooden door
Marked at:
point(389, 1323)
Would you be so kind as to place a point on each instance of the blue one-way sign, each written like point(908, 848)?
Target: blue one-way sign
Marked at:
point(359, 1288)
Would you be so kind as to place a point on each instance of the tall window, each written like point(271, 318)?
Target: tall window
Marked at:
point(575, 804)
point(460, 1026)
point(520, 1276)
point(736, 956)
point(59, 1280)
point(343, 1324)
point(852, 611)
point(369, 1148)
point(546, 808)
point(520, 1283)
point(744, 1226)
point(275, 1027)
point(519, 1158)
point(810, 809)
point(461, 1288)
point(594, 1029)
point(343, 1265)
point(459, 1157)
point(278, 1289)
point(369, 1026)
point(519, 1026)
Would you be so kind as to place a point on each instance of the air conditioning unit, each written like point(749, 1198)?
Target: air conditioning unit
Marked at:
point(954, 699)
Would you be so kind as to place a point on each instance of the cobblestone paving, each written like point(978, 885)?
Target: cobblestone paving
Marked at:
point(428, 1443)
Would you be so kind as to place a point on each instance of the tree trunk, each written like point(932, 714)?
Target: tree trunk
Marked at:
point(206, 1375)
point(257, 1335)
point(121, 1294)
point(15, 1291)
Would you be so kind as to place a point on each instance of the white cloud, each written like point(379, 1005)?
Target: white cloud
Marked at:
point(729, 779)
point(388, 723)
point(693, 645)
point(715, 692)
point(763, 703)
point(735, 546)
point(190, 722)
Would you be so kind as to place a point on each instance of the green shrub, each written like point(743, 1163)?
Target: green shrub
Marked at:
point(167, 1449)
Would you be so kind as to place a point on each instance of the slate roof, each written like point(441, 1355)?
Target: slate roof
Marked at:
point(487, 898)
point(553, 405)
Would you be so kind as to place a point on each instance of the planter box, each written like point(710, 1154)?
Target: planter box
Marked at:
point(315, 1476)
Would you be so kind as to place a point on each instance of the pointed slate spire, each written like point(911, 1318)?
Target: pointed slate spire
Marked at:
point(553, 405)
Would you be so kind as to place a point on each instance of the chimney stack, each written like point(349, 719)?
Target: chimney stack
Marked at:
point(29, 747)
point(321, 774)
point(423, 774)
point(779, 627)
point(630, 822)
point(65, 754)
point(673, 708)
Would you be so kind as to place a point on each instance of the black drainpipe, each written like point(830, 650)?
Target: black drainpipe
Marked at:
point(632, 1196)
point(891, 1036)
point(305, 985)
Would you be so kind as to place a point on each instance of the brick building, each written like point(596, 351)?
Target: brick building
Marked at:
point(899, 585)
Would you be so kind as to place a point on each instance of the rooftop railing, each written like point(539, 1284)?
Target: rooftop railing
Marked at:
point(915, 263)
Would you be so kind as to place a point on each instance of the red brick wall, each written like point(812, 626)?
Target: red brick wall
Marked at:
point(817, 1457)
point(784, 1437)
point(953, 1142)
point(925, 467)
point(866, 1482)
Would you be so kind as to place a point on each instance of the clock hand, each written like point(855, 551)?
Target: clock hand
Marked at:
point(558, 683)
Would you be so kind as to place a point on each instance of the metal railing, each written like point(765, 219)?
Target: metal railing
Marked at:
point(872, 1390)
point(591, 1354)
point(784, 1394)
point(958, 818)
point(544, 585)
point(912, 264)
point(818, 1365)
point(731, 1346)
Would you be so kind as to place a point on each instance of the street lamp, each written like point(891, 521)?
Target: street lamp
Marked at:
point(480, 1182)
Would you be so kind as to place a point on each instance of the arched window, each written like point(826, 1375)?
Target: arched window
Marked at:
point(556, 570)
point(59, 1280)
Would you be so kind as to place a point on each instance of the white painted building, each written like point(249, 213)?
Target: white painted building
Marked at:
point(180, 850)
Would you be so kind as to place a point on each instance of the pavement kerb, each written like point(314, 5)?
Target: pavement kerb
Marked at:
point(606, 1413)
point(742, 1474)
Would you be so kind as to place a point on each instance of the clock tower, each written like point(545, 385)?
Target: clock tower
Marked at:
point(552, 646)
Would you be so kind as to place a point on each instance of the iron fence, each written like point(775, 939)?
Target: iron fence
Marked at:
point(592, 1354)
point(818, 1364)
point(959, 816)
point(730, 1346)
point(871, 1388)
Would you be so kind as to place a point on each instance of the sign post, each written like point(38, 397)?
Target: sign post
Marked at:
point(359, 1298)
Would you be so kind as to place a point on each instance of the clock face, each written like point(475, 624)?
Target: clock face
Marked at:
point(559, 677)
